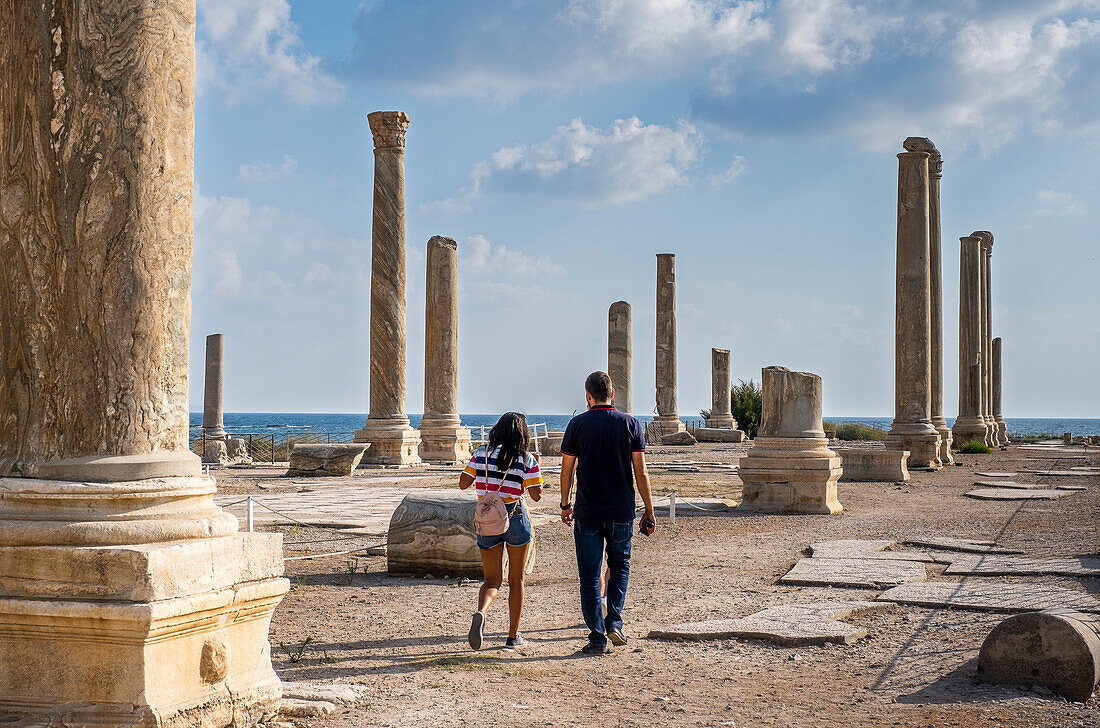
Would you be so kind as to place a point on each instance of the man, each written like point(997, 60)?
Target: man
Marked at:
point(604, 445)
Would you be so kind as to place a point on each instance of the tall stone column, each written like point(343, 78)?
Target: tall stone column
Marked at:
point(128, 598)
point(998, 415)
point(935, 269)
point(392, 441)
point(442, 437)
point(912, 428)
point(790, 468)
point(969, 424)
point(667, 420)
point(213, 448)
point(721, 414)
point(986, 239)
point(619, 356)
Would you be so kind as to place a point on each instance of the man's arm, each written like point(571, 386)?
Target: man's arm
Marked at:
point(568, 465)
point(641, 477)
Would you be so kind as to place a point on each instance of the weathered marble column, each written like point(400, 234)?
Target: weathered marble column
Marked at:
point(998, 415)
point(667, 420)
point(912, 428)
point(443, 439)
point(126, 596)
point(721, 416)
point(987, 339)
point(969, 424)
point(935, 269)
point(790, 468)
point(213, 448)
point(392, 441)
point(619, 354)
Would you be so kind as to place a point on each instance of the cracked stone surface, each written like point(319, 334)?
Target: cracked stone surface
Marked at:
point(868, 573)
point(341, 694)
point(996, 565)
point(864, 549)
point(994, 475)
point(1015, 494)
point(1025, 486)
point(1059, 473)
point(1012, 597)
point(815, 623)
point(946, 543)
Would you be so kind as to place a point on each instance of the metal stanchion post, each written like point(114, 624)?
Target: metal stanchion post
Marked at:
point(672, 508)
point(250, 519)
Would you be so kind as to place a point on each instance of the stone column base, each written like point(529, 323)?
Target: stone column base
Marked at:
point(968, 429)
point(666, 425)
point(921, 440)
point(393, 443)
point(444, 442)
point(721, 422)
point(790, 475)
point(155, 635)
point(1002, 431)
point(946, 458)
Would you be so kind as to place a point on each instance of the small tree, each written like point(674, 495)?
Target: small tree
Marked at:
point(747, 401)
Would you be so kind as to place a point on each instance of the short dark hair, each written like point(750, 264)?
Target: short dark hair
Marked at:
point(598, 384)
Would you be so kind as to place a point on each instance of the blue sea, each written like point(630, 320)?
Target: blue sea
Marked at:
point(342, 426)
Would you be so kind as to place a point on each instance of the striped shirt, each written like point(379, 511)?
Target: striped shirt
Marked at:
point(523, 474)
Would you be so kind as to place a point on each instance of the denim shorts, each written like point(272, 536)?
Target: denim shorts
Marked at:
point(518, 533)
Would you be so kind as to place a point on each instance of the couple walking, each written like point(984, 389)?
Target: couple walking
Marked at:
point(606, 449)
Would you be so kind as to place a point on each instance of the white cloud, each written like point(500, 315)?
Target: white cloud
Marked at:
point(1053, 202)
point(266, 172)
point(448, 206)
point(482, 258)
point(248, 46)
point(623, 163)
point(736, 168)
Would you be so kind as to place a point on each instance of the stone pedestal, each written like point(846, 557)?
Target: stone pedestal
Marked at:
point(393, 442)
point(790, 468)
point(877, 465)
point(721, 416)
point(935, 269)
point(998, 416)
point(443, 439)
point(126, 596)
point(969, 425)
point(912, 428)
point(619, 355)
point(667, 420)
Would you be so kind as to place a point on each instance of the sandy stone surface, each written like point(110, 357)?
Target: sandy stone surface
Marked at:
point(993, 597)
point(405, 639)
point(816, 623)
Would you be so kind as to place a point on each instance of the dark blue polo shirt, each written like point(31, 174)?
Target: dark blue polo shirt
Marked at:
point(603, 439)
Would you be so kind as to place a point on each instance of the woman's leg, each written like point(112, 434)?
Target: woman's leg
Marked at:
point(493, 566)
point(517, 561)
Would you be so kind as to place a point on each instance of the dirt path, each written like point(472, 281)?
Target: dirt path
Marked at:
point(405, 638)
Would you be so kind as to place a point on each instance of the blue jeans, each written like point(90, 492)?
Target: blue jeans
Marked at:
point(592, 540)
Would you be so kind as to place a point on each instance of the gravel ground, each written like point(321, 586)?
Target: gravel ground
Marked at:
point(405, 638)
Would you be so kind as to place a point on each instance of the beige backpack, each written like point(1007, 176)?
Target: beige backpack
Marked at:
point(491, 515)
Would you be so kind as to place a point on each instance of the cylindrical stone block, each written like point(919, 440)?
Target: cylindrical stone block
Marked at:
point(721, 416)
point(96, 173)
point(912, 428)
point(791, 404)
point(212, 415)
point(998, 415)
point(668, 418)
point(619, 356)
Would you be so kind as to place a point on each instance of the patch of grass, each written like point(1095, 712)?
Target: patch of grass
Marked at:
point(974, 447)
point(295, 655)
point(855, 431)
point(461, 663)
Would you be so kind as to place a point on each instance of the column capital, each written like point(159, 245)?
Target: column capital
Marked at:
point(388, 128)
point(924, 144)
point(443, 241)
point(986, 239)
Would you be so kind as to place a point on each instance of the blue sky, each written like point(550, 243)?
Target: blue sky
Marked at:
point(564, 144)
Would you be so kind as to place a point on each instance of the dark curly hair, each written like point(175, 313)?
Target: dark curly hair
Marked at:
point(511, 436)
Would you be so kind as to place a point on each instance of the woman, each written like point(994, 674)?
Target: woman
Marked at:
point(513, 470)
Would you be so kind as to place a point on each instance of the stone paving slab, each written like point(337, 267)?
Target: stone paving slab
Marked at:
point(997, 565)
point(792, 625)
point(696, 506)
point(1005, 597)
point(994, 475)
point(864, 549)
point(1015, 494)
point(946, 543)
point(864, 573)
point(1059, 473)
point(1025, 486)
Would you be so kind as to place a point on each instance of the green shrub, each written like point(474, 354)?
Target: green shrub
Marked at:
point(975, 447)
point(747, 401)
point(856, 431)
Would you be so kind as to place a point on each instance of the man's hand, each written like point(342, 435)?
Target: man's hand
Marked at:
point(648, 523)
point(567, 516)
